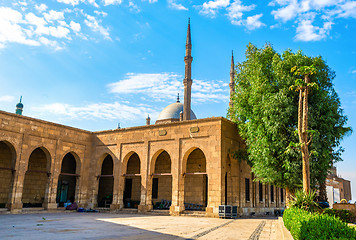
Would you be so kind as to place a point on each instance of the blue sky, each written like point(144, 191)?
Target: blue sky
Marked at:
point(93, 64)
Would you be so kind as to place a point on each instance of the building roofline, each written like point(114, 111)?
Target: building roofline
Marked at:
point(43, 121)
point(170, 124)
point(160, 125)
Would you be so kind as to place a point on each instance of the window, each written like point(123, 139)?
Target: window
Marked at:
point(282, 195)
point(247, 189)
point(260, 191)
point(155, 188)
point(272, 194)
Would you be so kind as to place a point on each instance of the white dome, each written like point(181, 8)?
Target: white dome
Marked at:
point(172, 111)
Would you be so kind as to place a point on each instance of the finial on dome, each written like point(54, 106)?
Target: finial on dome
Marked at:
point(178, 97)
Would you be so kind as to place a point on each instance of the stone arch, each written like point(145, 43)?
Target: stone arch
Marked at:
point(106, 180)
point(7, 167)
point(68, 179)
point(187, 154)
point(101, 160)
point(132, 180)
point(161, 184)
point(36, 179)
point(195, 179)
point(78, 162)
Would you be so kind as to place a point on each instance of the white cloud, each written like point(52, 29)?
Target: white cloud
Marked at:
point(133, 7)
point(164, 86)
point(110, 111)
point(354, 71)
point(54, 15)
point(172, 4)
point(253, 22)
point(53, 44)
point(235, 11)
point(112, 2)
point(76, 2)
point(41, 8)
point(211, 8)
point(71, 2)
point(92, 2)
point(93, 23)
point(75, 26)
point(34, 20)
point(306, 31)
point(59, 32)
point(10, 30)
point(7, 98)
point(288, 12)
point(323, 12)
point(347, 9)
point(104, 14)
point(324, 3)
point(23, 3)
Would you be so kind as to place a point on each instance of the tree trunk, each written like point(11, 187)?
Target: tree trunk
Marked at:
point(322, 192)
point(305, 152)
point(303, 134)
point(289, 196)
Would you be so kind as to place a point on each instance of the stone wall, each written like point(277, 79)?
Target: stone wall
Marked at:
point(5, 172)
point(163, 165)
point(195, 185)
point(24, 135)
point(171, 151)
point(36, 178)
point(106, 183)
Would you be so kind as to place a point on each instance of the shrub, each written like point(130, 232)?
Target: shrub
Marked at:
point(344, 215)
point(304, 201)
point(306, 225)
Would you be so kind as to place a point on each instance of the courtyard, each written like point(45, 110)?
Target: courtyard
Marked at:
point(73, 225)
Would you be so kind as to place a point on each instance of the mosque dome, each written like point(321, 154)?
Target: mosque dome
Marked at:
point(19, 105)
point(172, 111)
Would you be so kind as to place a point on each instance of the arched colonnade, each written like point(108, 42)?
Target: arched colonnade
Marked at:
point(124, 186)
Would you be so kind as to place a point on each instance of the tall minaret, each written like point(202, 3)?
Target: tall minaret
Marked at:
point(188, 75)
point(232, 82)
point(19, 107)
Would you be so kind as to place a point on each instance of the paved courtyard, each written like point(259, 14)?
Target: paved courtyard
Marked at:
point(133, 226)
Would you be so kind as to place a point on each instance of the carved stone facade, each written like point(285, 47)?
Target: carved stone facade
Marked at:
point(190, 160)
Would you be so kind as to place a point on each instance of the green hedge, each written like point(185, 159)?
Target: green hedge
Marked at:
point(344, 215)
point(305, 225)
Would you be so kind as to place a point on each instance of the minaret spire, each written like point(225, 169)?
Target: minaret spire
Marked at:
point(188, 75)
point(232, 82)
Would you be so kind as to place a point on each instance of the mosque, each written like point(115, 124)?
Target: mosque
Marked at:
point(180, 163)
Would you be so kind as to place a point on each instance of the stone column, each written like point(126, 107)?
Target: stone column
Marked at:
point(116, 204)
point(145, 206)
point(15, 196)
point(51, 192)
point(177, 206)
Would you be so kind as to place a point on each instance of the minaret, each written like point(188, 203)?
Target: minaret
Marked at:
point(232, 82)
point(148, 120)
point(19, 107)
point(188, 75)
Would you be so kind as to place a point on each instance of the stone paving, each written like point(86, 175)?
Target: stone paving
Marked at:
point(134, 226)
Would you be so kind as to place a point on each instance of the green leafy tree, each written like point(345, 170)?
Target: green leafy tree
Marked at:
point(266, 112)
